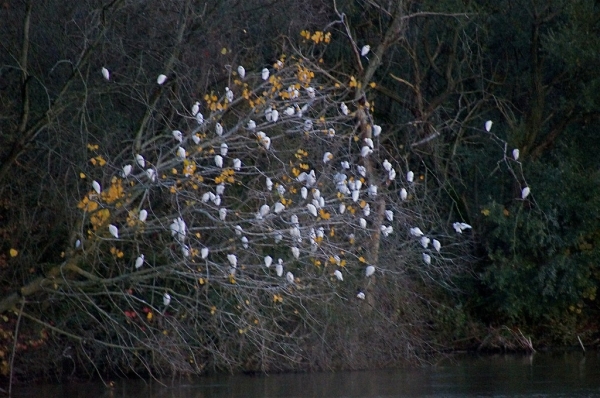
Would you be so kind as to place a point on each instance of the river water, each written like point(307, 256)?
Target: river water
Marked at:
point(539, 375)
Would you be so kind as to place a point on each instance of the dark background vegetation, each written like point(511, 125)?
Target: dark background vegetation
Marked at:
point(528, 267)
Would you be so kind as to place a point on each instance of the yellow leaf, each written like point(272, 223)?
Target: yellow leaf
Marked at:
point(14, 252)
point(224, 51)
point(485, 212)
point(81, 175)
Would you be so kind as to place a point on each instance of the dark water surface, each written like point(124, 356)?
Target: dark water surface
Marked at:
point(539, 375)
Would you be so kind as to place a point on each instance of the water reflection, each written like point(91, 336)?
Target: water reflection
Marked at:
point(540, 375)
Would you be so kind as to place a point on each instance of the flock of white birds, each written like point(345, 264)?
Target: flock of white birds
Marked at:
point(349, 181)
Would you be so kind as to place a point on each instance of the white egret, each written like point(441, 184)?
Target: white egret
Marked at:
point(241, 71)
point(437, 245)
point(331, 132)
point(296, 252)
point(367, 210)
point(185, 250)
point(416, 231)
point(304, 192)
point(244, 242)
point(427, 258)
point(216, 199)
point(204, 253)
point(289, 277)
point(387, 165)
point(279, 267)
point(264, 210)
point(151, 174)
point(139, 261)
point(280, 189)
point(369, 271)
point(460, 227)
point(269, 184)
point(363, 223)
point(403, 194)
point(294, 220)
point(327, 157)
point(275, 115)
point(140, 160)
point(355, 195)
point(114, 231)
point(96, 187)
point(195, 108)
point(278, 208)
point(365, 50)
point(219, 129)
point(161, 79)
point(342, 208)
point(237, 164)
point(126, 170)
point(425, 241)
point(268, 261)
point(338, 275)
point(362, 170)
point(219, 161)
point(220, 189)
point(228, 94)
point(360, 295)
point(178, 135)
point(372, 191)
point(386, 231)
point(278, 237)
point(488, 125)
point(222, 213)
point(389, 215)
point(345, 164)
point(166, 299)
point(392, 175)
point(312, 209)
point(196, 139)
point(181, 153)
point(369, 142)
point(344, 108)
point(308, 125)
point(289, 111)
point(525, 192)
point(264, 74)
point(232, 258)
point(143, 215)
point(269, 113)
point(77, 244)
point(365, 151)
point(199, 118)
point(515, 154)
point(376, 130)
point(239, 231)
point(311, 92)
point(410, 176)
point(224, 149)
point(206, 197)
point(105, 73)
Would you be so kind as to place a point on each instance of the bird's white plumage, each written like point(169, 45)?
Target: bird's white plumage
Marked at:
point(161, 79)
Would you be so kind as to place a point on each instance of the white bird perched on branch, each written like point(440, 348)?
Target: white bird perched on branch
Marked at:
point(365, 151)
point(363, 223)
point(304, 192)
point(289, 111)
point(241, 71)
point(219, 129)
point(178, 135)
point(387, 166)
point(161, 79)
point(114, 231)
point(224, 149)
point(166, 299)
point(126, 170)
point(488, 125)
point(264, 210)
point(389, 214)
point(416, 231)
point(244, 242)
point(344, 108)
point(327, 157)
point(228, 94)
point(199, 118)
point(237, 164)
point(105, 73)
point(311, 92)
point(264, 74)
point(269, 183)
point(525, 192)
point(342, 208)
point(279, 267)
point(195, 108)
point(403, 194)
point(239, 231)
point(425, 241)
point(386, 231)
point(427, 258)
point(139, 159)
point(181, 153)
point(360, 295)
point(289, 277)
point(275, 115)
point(365, 50)
point(410, 176)
point(312, 209)
point(278, 208)
point(367, 210)
point(437, 245)
point(251, 125)
point(143, 215)
point(268, 261)
point(232, 258)
point(222, 213)
point(151, 174)
point(372, 191)
point(338, 275)
point(204, 253)
point(369, 271)
point(219, 161)
point(376, 130)
point(139, 261)
point(96, 187)
point(515, 154)
point(196, 138)
point(460, 227)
